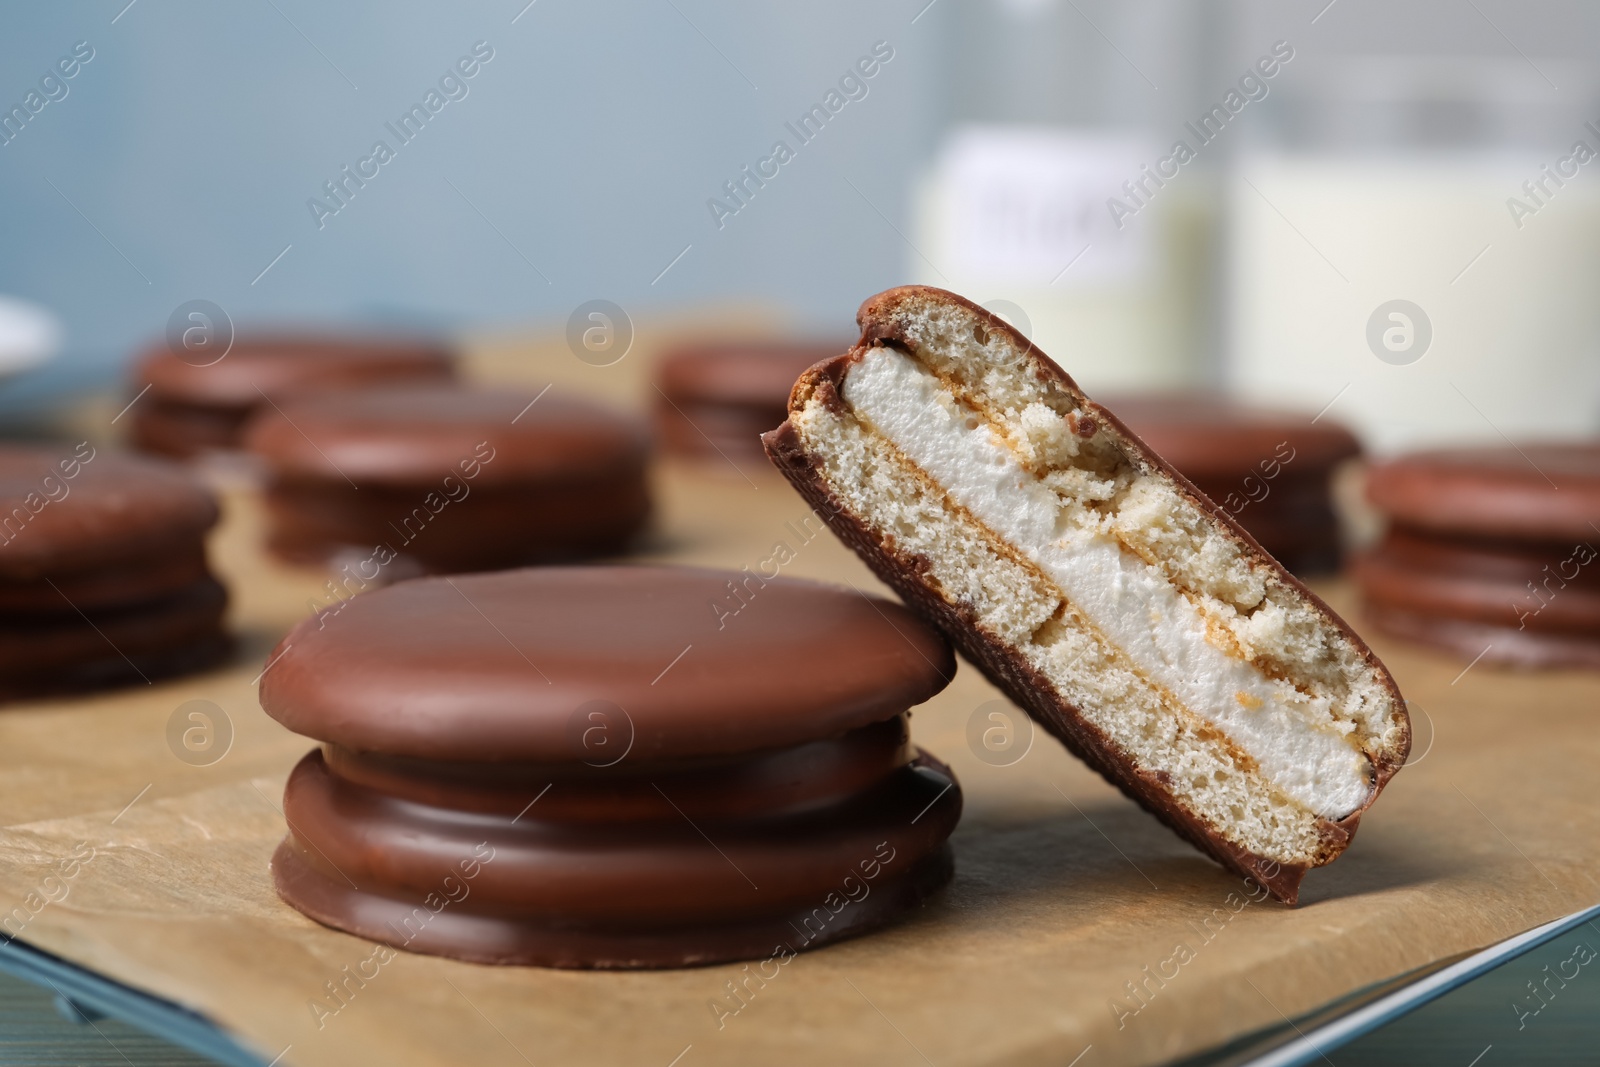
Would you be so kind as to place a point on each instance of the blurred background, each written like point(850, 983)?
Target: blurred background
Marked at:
point(1337, 158)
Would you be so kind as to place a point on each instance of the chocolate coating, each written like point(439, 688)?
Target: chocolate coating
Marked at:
point(1490, 553)
point(68, 653)
point(1469, 639)
point(112, 509)
point(1001, 664)
point(720, 397)
point(492, 667)
point(1548, 492)
point(103, 575)
point(191, 408)
point(1213, 436)
point(769, 783)
point(1517, 603)
point(1527, 586)
point(1271, 470)
point(181, 430)
point(499, 939)
point(125, 582)
point(753, 785)
point(503, 527)
point(569, 886)
point(456, 479)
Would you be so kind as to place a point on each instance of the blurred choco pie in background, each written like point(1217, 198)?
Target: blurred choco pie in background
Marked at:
point(1490, 552)
point(404, 480)
point(103, 575)
point(716, 399)
point(201, 398)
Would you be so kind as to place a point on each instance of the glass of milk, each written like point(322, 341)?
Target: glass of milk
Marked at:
point(1054, 107)
point(1414, 246)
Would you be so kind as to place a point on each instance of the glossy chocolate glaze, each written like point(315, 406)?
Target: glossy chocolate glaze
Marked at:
point(432, 927)
point(416, 435)
point(768, 783)
point(128, 582)
point(111, 509)
point(283, 364)
point(712, 431)
point(199, 650)
point(103, 575)
point(1527, 586)
point(591, 767)
point(1490, 553)
point(456, 479)
point(492, 528)
point(67, 653)
point(1545, 492)
point(494, 667)
point(32, 645)
point(181, 429)
point(1206, 435)
point(614, 862)
point(1529, 603)
point(752, 372)
point(1491, 643)
point(191, 408)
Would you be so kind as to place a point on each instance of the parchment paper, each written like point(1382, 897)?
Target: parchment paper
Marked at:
point(1076, 925)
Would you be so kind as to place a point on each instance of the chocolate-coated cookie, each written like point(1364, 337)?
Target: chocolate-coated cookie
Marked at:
point(1491, 553)
point(611, 766)
point(197, 402)
point(103, 575)
point(451, 479)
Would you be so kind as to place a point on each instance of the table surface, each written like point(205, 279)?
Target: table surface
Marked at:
point(1064, 893)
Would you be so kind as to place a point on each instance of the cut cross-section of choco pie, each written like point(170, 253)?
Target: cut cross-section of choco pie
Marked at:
point(614, 767)
point(1096, 586)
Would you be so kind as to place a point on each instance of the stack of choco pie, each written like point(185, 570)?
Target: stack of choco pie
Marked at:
point(103, 574)
point(196, 401)
point(1490, 553)
point(589, 767)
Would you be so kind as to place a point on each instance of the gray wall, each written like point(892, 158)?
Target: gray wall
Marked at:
point(580, 162)
point(591, 143)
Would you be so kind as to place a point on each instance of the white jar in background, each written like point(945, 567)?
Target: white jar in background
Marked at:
point(1016, 218)
point(29, 335)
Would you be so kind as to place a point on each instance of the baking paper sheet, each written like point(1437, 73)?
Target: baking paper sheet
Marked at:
point(1077, 930)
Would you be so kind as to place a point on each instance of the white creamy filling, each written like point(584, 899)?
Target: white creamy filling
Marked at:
point(1299, 749)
